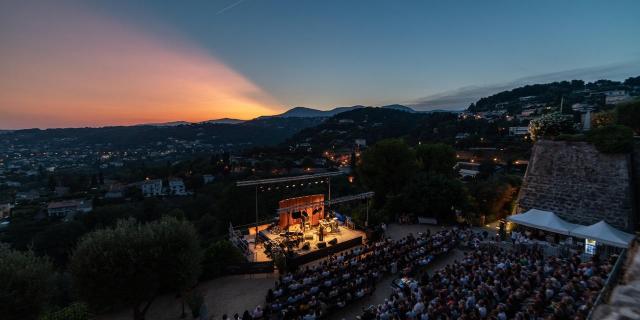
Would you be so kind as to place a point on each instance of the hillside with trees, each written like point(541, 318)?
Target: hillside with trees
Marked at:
point(574, 91)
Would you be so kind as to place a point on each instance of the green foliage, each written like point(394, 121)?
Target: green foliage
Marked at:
point(547, 92)
point(58, 240)
point(26, 284)
point(386, 167)
point(434, 196)
point(570, 137)
point(602, 119)
point(194, 300)
point(492, 197)
point(280, 261)
point(76, 311)
point(628, 114)
point(550, 125)
point(132, 263)
point(436, 158)
point(219, 255)
point(612, 139)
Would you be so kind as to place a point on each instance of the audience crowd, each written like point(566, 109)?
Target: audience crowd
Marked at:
point(489, 282)
point(316, 291)
point(493, 283)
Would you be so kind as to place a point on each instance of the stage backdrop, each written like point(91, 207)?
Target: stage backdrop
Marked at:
point(308, 204)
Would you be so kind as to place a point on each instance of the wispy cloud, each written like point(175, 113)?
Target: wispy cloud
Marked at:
point(229, 7)
point(461, 98)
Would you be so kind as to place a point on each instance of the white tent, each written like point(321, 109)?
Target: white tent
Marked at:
point(544, 220)
point(603, 232)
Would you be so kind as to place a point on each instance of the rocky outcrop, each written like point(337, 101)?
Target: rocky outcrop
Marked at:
point(579, 184)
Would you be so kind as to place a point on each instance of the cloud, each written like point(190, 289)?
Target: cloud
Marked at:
point(71, 66)
point(461, 98)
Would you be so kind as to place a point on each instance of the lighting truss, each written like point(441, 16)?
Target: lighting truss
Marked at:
point(247, 183)
point(359, 196)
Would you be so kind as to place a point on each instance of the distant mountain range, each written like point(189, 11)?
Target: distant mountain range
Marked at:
point(181, 123)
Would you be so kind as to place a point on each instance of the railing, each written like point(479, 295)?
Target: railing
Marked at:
point(318, 254)
point(251, 268)
point(610, 283)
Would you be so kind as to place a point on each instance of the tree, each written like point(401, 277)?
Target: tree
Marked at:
point(220, 254)
point(612, 139)
point(552, 124)
point(436, 158)
point(58, 240)
point(386, 167)
point(434, 196)
point(307, 162)
point(604, 118)
point(493, 196)
point(628, 114)
point(133, 263)
point(26, 283)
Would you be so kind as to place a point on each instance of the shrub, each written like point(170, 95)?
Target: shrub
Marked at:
point(550, 125)
point(612, 139)
point(26, 283)
point(603, 119)
point(218, 256)
point(629, 115)
point(76, 311)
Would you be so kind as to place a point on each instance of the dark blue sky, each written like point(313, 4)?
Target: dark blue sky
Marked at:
point(70, 63)
point(326, 53)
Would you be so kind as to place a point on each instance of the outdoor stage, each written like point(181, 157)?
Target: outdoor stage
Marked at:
point(303, 248)
point(303, 231)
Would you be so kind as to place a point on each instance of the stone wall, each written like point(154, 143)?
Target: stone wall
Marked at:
point(624, 300)
point(579, 184)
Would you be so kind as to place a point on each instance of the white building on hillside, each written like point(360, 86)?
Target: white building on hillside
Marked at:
point(208, 178)
point(151, 188)
point(177, 188)
point(518, 131)
point(65, 208)
point(615, 96)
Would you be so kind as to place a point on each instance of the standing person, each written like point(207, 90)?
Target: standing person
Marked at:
point(204, 312)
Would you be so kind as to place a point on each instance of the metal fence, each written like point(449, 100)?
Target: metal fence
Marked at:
point(612, 280)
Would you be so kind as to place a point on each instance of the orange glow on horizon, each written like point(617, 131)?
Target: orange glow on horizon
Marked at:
point(66, 67)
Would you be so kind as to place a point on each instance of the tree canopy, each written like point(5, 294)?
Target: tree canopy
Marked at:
point(387, 166)
point(436, 158)
point(434, 196)
point(132, 263)
point(26, 283)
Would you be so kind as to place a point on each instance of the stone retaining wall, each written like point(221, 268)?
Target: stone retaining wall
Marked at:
point(579, 184)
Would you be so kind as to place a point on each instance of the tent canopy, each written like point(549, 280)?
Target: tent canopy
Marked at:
point(605, 233)
point(543, 220)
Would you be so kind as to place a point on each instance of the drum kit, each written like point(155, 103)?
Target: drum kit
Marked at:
point(330, 225)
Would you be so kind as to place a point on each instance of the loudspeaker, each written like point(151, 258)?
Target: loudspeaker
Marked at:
point(321, 245)
point(333, 242)
point(296, 215)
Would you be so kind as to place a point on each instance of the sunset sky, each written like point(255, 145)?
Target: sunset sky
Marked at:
point(96, 63)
